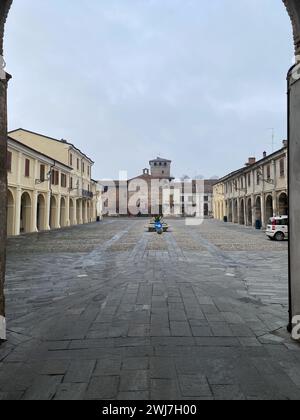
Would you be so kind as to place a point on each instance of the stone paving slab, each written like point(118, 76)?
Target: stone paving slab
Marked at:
point(110, 311)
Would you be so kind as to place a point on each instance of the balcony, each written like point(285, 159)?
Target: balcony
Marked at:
point(87, 194)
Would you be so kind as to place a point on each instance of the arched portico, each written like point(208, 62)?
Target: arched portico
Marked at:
point(41, 222)
point(53, 212)
point(283, 203)
point(242, 212)
point(63, 214)
point(10, 213)
point(26, 213)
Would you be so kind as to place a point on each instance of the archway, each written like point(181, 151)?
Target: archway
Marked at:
point(78, 211)
point(53, 212)
point(235, 212)
point(269, 208)
point(249, 212)
point(10, 213)
point(26, 211)
point(242, 212)
point(41, 221)
point(63, 221)
point(230, 219)
point(283, 205)
point(71, 212)
point(258, 214)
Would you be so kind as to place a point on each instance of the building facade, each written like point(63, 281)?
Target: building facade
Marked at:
point(49, 184)
point(256, 192)
point(155, 192)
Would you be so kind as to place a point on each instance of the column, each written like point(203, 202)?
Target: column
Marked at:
point(67, 214)
point(263, 211)
point(58, 209)
point(275, 207)
point(238, 211)
point(253, 209)
point(48, 210)
point(34, 212)
point(17, 217)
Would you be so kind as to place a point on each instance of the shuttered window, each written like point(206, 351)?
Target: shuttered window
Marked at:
point(9, 161)
point(42, 173)
point(27, 168)
point(63, 180)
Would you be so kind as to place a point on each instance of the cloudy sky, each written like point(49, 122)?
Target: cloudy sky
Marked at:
point(199, 82)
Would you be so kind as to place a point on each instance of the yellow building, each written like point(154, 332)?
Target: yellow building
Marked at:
point(49, 184)
point(256, 192)
point(218, 201)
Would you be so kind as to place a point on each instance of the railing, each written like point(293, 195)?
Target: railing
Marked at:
point(87, 194)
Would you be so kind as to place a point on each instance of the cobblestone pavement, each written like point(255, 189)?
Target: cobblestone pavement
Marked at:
point(110, 311)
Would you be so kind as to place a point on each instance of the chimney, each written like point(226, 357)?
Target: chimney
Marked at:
point(251, 161)
point(265, 155)
point(285, 143)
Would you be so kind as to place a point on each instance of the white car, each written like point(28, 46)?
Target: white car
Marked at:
point(278, 228)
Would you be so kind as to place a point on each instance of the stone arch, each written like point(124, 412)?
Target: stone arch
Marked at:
point(41, 214)
point(235, 211)
point(78, 211)
point(53, 212)
point(249, 212)
point(242, 212)
point(72, 212)
point(63, 214)
point(230, 214)
point(269, 207)
point(293, 9)
point(10, 213)
point(26, 213)
point(283, 203)
point(258, 209)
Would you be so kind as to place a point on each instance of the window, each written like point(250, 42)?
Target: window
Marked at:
point(83, 167)
point(55, 177)
point(71, 159)
point(71, 183)
point(242, 183)
point(27, 168)
point(206, 198)
point(88, 170)
point(268, 172)
point(9, 160)
point(42, 173)
point(249, 180)
point(77, 164)
point(257, 177)
point(282, 167)
point(63, 181)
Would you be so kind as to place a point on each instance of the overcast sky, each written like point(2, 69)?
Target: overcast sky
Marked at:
point(199, 82)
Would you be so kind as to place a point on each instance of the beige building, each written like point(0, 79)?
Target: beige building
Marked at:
point(256, 192)
point(49, 184)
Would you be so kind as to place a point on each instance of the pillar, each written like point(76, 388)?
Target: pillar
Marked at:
point(58, 209)
point(253, 205)
point(67, 212)
point(48, 210)
point(263, 211)
point(33, 227)
point(17, 217)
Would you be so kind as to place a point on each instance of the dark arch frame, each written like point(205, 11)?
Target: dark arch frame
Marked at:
point(293, 8)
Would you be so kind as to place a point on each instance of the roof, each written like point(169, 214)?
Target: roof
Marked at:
point(38, 152)
point(53, 139)
point(159, 159)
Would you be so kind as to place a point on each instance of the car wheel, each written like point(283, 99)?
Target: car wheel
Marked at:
point(279, 236)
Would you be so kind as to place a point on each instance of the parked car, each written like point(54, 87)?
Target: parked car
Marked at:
point(278, 228)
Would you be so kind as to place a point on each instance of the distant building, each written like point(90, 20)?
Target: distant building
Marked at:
point(49, 184)
point(256, 192)
point(156, 191)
